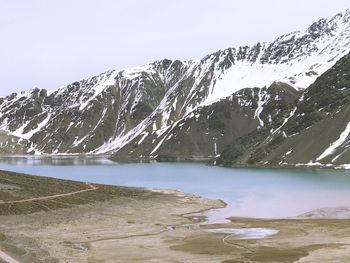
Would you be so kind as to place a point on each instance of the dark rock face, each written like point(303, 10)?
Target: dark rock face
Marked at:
point(172, 110)
point(12, 145)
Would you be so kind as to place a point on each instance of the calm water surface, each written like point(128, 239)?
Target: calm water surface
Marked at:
point(268, 193)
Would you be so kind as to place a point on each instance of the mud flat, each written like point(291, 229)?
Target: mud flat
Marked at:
point(50, 220)
point(297, 240)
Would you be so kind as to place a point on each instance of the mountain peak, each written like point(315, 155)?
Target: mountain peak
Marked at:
point(108, 111)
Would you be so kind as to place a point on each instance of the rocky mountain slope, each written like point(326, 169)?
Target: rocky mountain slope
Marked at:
point(316, 133)
point(177, 109)
point(206, 131)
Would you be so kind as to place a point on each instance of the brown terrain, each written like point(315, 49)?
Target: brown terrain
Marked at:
point(50, 220)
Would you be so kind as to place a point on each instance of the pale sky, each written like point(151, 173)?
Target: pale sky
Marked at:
point(49, 44)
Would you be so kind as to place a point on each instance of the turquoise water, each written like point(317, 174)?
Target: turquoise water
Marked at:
point(266, 193)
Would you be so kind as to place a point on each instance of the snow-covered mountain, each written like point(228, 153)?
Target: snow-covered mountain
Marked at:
point(142, 112)
point(317, 132)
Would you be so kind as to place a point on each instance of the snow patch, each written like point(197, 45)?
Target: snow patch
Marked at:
point(245, 233)
point(334, 145)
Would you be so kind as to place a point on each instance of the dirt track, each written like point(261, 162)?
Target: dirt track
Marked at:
point(91, 188)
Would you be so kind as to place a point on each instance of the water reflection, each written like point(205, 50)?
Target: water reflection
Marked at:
point(56, 160)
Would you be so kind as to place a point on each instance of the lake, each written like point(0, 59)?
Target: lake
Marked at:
point(260, 193)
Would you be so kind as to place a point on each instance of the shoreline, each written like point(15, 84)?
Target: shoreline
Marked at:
point(345, 167)
point(203, 160)
point(155, 224)
point(77, 233)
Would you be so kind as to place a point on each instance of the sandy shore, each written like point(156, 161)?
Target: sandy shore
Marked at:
point(113, 224)
point(156, 230)
point(121, 229)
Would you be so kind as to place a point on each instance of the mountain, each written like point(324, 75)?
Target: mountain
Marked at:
point(204, 132)
point(175, 110)
point(317, 132)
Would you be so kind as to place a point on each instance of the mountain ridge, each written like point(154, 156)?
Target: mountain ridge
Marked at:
point(107, 113)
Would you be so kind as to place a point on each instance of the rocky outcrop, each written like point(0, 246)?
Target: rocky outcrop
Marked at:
point(12, 145)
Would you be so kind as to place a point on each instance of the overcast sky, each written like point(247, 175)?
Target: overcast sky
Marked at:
point(48, 44)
